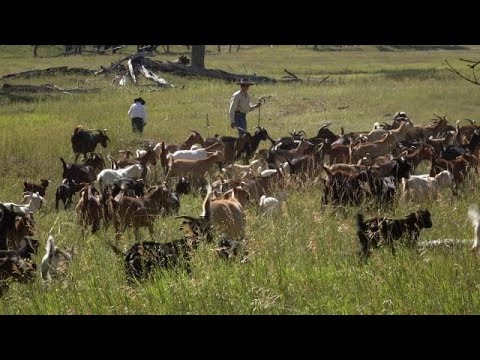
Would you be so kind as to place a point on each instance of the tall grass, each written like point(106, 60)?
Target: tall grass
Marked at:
point(304, 260)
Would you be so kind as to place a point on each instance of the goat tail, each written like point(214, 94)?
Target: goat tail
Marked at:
point(50, 246)
point(474, 215)
point(206, 203)
point(362, 237)
point(116, 249)
point(361, 222)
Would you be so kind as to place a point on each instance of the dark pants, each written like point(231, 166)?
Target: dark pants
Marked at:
point(137, 125)
point(241, 122)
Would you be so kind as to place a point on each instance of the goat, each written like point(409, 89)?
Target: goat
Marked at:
point(17, 264)
point(474, 217)
point(451, 152)
point(420, 186)
point(269, 204)
point(55, 260)
point(225, 214)
point(228, 249)
point(78, 173)
point(108, 176)
point(193, 168)
point(142, 211)
point(183, 186)
point(85, 141)
point(343, 188)
point(376, 232)
point(197, 154)
point(89, 209)
point(143, 258)
point(374, 149)
point(96, 162)
point(36, 188)
point(252, 144)
point(65, 191)
point(15, 224)
point(33, 200)
point(129, 186)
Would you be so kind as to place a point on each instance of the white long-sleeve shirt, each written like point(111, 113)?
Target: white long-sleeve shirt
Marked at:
point(138, 110)
point(240, 101)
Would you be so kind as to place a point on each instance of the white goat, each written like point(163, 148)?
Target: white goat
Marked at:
point(33, 200)
point(54, 260)
point(269, 204)
point(474, 216)
point(108, 176)
point(197, 154)
point(419, 186)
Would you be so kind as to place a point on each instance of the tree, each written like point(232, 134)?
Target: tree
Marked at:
point(198, 56)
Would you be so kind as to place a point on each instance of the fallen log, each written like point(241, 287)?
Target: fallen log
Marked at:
point(183, 70)
point(49, 71)
point(132, 73)
point(41, 88)
point(150, 75)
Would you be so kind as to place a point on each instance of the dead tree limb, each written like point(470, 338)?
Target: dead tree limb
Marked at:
point(41, 88)
point(49, 71)
point(150, 75)
point(117, 64)
point(291, 74)
point(132, 73)
point(455, 71)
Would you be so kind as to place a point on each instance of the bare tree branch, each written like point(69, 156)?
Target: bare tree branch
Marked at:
point(455, 71)
point(475, 63)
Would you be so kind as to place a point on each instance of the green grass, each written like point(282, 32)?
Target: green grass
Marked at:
point(302, 262)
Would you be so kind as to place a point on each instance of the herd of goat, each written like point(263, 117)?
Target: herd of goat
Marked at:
point(376, 166)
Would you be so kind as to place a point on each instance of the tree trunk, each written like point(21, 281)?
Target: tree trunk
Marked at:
point(35, 47)
point(198, 56)
point(219, 48)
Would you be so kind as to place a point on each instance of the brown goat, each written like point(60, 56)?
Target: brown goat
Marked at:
point(377, 148)
point(89, 209)
point(193, 169)
point(225, 214)
point(141, 211)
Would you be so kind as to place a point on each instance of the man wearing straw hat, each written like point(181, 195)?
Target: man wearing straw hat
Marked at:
point(240, 105)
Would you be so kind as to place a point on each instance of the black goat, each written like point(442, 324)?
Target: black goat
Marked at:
point(251, 145)
point(78, 173)
point(376, 232)
point(230, 249)
point(451, 152)
point(16, 265)
point(85, 141)
point(143, 258)
point(65, 191)
point(183, 186)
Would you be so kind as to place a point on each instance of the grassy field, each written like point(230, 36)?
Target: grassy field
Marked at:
point(302, 262)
